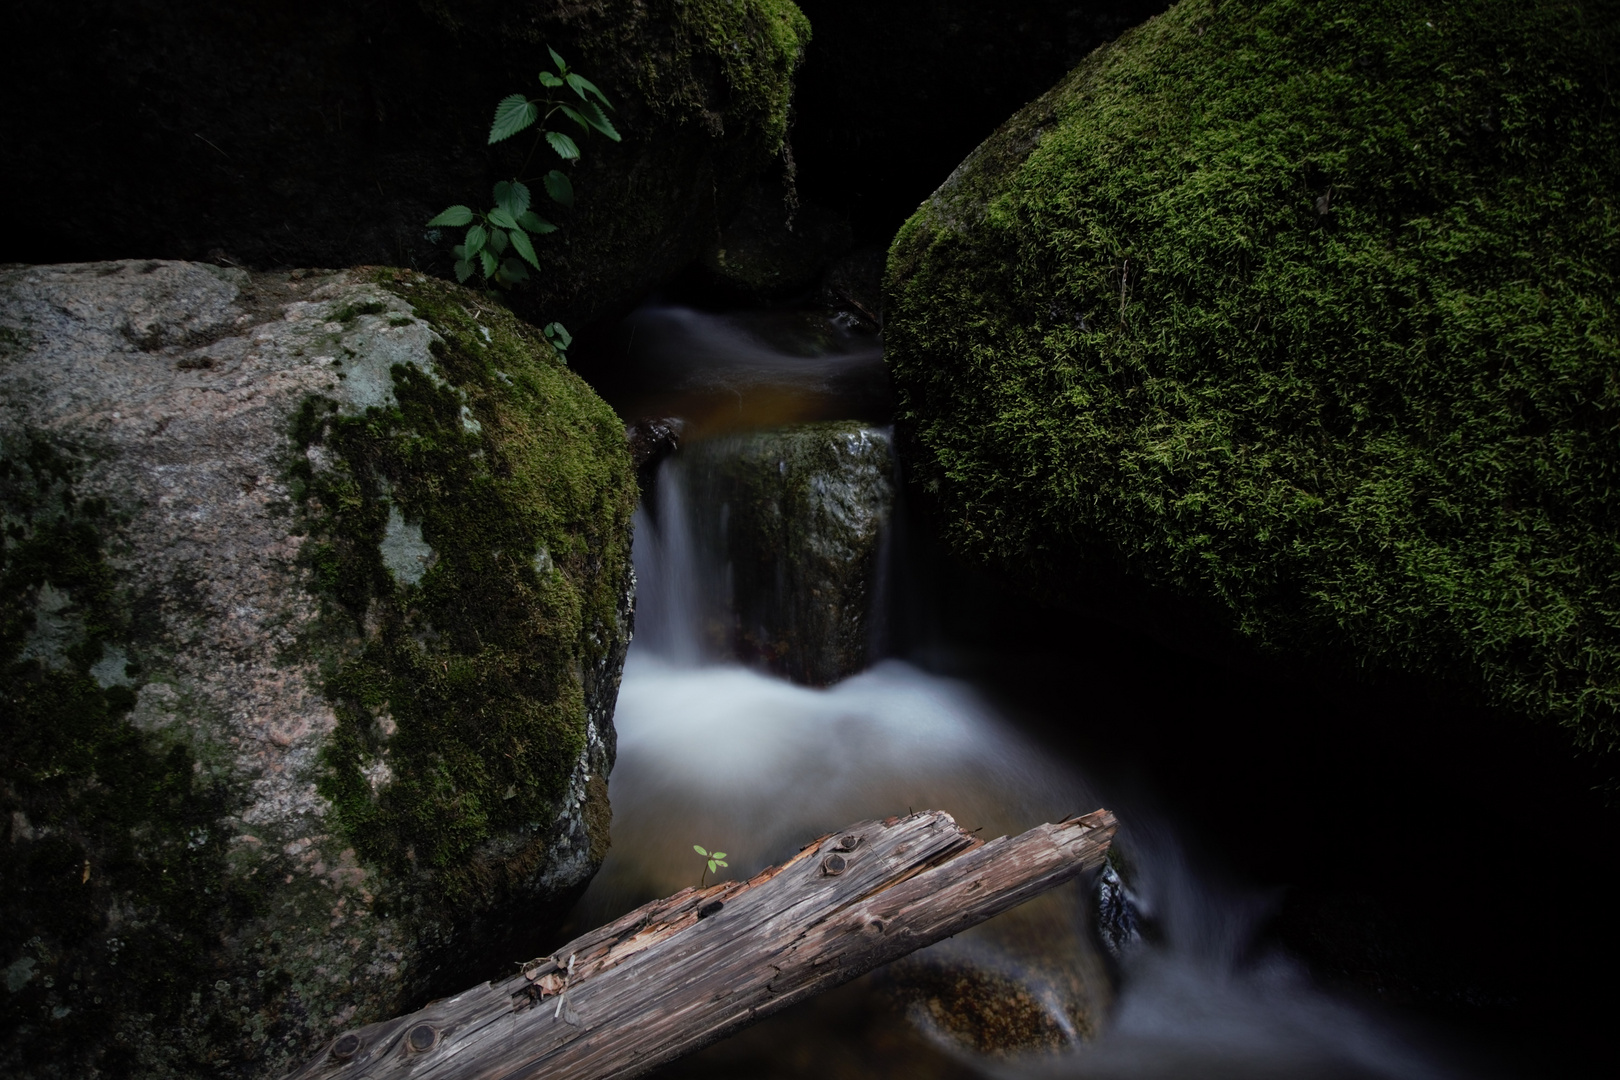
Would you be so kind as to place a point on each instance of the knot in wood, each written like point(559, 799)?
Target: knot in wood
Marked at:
point(346, 1047)
point(422, 1037)
point(849, 843)
point(834, 864)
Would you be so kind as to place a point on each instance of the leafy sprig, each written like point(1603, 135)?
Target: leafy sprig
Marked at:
point(499, 241)
point(716, 858)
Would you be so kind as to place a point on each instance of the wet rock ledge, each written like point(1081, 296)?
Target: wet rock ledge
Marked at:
point(800, 514)
point(314, 596)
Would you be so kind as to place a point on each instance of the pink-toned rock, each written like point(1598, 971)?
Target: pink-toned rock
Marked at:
point(299, 802)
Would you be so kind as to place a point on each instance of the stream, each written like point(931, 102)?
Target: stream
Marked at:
point(716, 747)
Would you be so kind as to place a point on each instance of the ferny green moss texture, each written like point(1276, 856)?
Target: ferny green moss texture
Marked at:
point(1308, 309)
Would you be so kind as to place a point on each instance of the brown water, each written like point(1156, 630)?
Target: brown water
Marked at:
point(742, 370)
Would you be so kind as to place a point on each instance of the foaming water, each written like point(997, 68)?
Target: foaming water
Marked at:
point(713, 753)
point(681, 348)
point(746, 763)
point(756, 766)
point(668, 591)
point(1206, 997)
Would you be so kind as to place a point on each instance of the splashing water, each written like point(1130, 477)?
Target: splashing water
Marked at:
point(714, 753)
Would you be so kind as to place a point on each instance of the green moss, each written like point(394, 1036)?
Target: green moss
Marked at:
point(804, 507)
point(348, 313)
point(115, 894)
point(702, 90)
point(759, 44)
point(1310, 309)
point(467, 682)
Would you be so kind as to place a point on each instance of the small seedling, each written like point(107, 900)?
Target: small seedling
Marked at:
point(716, 858)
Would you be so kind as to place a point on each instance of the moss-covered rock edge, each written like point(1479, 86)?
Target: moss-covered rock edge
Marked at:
point(1309, 310)
point(460, 696)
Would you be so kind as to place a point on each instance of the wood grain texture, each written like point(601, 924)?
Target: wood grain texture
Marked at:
point(679, 973)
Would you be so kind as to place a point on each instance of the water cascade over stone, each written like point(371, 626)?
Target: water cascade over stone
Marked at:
point(758, 711)
point(780, 533)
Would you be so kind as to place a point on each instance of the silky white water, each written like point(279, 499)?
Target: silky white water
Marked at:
point(738, 761)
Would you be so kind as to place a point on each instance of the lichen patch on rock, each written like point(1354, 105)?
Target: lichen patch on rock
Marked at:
point(259, 730)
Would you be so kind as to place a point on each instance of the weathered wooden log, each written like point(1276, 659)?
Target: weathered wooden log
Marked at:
point(680, 973)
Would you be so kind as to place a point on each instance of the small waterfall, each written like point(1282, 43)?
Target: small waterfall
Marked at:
point(768, 547)
point(669, 611)
point(774, 551)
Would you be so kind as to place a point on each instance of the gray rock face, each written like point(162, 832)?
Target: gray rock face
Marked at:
point(314, 595)
point(799, 514)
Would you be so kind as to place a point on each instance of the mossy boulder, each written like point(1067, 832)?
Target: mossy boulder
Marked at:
point(797, 515)
point(1307, 311)
point(773, 248)
point(314, 595)
point(272, 135)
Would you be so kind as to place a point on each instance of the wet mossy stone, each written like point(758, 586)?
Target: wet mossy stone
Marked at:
point(1307, 311)
point(314, 594)
point(798, 515)
point(773, 248)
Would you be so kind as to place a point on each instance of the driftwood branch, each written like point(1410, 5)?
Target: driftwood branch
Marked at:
point(680, 973)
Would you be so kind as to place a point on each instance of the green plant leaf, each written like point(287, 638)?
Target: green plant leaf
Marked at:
point(514, 271)
point(722, 862)
point(500, 217)
point(547, 79)
point(488, 260)
point(581, 84)
point(459, 251)
point(562, 68)
point(512, 196)
point(455, 216)
point(512, 115)
point(718, 854)
point(535, 223)
point(695, 847)
point(464, 270)
point(711, 866)
point(593, 112)
point(476, 236)
point(560, 188)
point(497, 241)
point(603, 98)
point(561, 338)
point(576, 116)
point(522, 245)
point(566, 148)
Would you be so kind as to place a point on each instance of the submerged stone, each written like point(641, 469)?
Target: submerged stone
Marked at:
point(1304, 312)
point(975, 997)
point(799, 515)
point(308, 681)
